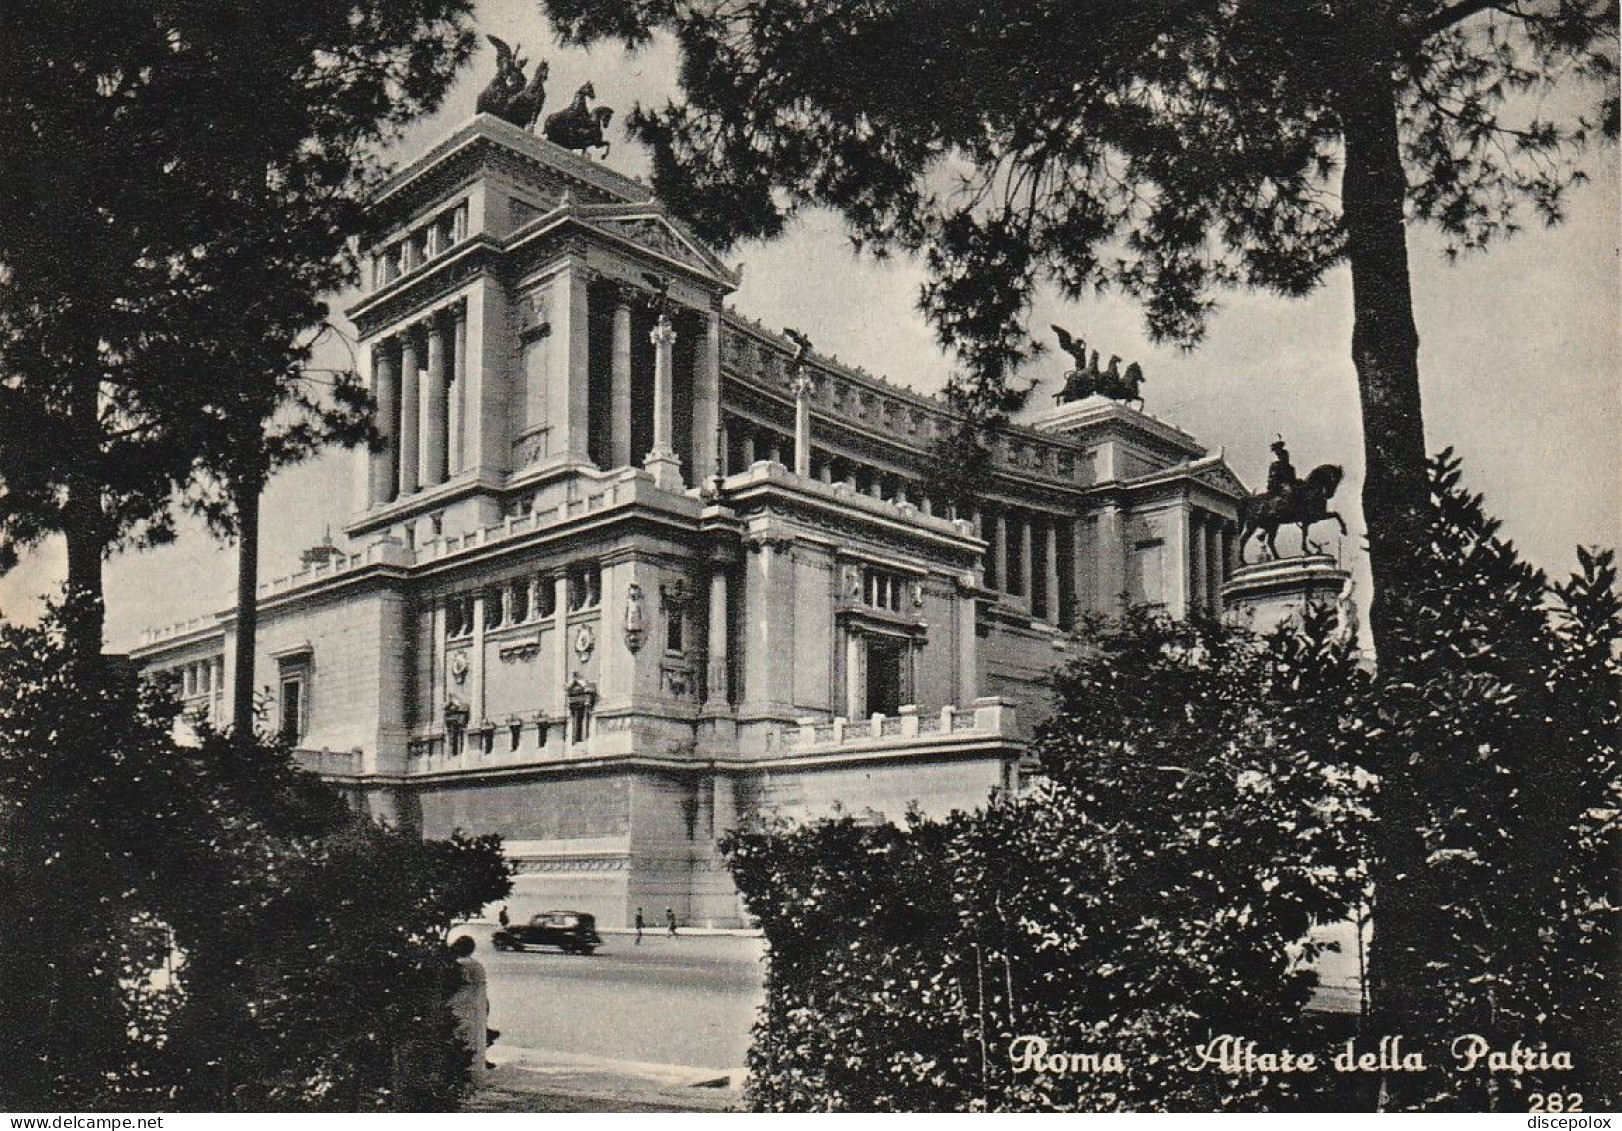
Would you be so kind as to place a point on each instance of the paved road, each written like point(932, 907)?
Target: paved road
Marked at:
point(689, 1000)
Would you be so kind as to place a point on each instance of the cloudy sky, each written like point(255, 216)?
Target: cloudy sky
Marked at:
point(1519, 356)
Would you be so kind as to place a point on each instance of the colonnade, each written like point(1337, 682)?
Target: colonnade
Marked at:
point(1212, 555)
point(418, 375)
point(201, 677)
point(1033, 555)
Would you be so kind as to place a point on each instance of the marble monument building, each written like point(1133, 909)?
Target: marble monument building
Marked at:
point(625, 574)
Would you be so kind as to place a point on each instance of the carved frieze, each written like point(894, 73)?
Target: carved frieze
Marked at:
point(523, 648)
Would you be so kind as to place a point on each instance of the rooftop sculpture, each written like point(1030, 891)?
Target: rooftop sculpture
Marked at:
point(509, 96)
point(578, 127)
point(1087, 380)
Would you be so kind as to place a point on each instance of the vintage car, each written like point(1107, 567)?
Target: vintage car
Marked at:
point(573, 932)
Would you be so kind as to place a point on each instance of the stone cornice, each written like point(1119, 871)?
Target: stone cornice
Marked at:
point(485, 133)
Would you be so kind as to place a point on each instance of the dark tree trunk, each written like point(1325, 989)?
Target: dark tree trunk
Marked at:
point(83, 527)
point(246, 500)
point(1385, 352)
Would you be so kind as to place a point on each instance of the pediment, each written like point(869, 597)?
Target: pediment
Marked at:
point(1221, 477)
point(656, 233)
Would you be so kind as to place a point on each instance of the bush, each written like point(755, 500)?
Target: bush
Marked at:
point(1157, 888)
point(208, 928)
point(1208, 799)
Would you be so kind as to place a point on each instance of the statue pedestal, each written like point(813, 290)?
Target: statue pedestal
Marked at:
point(1263, 596)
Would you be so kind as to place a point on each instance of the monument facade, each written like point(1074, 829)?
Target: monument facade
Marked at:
point(631, 569)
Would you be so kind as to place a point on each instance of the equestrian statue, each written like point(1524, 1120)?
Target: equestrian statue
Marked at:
point(579, 128)
point(1289, 500)
point(1086, 379)
point(509, 96)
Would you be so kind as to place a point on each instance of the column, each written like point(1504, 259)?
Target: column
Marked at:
point(999, 550)
point(1072, 582)
point(1198, 588)
point(386, 463)
point(619, 401)
point(802, 422)
point(854, 691)
point(410, 389)
point(716, 692)
point(709, 445)
point(456, 412)
point(748, 447)
point(662, 460)
point(475, 654)
point(563, 661)
point(436, 408)
point(968, 656)
point(1050, 581)
point(567, 366)
point(1111, 557)
point(827, 472)
point(1214, 565)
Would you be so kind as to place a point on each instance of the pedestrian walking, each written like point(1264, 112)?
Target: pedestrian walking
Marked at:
point(502, 918)
point(639, 926)
point(470, 1004)
point(670, 920)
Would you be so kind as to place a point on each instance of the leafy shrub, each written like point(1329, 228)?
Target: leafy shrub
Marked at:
point(1208, 798)
point(208, 928)
point(1157, 888)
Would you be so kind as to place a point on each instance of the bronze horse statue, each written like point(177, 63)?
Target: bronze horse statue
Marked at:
point(579, 128)
point(509, 96)
point(1306, 503)
point(1086, 380)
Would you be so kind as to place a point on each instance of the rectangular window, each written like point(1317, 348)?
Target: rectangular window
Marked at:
point(520, 601)
point(585, 587)
point(674, 631)
point(546, 596)
point(495, 610)
point(458, 617)
point(515, 735)
point(882, 589)
point(292, 709)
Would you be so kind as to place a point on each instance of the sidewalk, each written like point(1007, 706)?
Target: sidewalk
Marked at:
point(551, 1080)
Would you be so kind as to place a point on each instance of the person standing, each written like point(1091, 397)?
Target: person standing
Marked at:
point(670, 920)
point(470, 1004)
point(639, 925)
point(503, 918)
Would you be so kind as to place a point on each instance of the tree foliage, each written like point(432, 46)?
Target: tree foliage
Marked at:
point(1511, 749)
point(206, 927)
point(181, 184)
point(1167, 149)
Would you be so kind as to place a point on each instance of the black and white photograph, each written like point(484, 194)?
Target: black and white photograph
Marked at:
point(808, 556)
